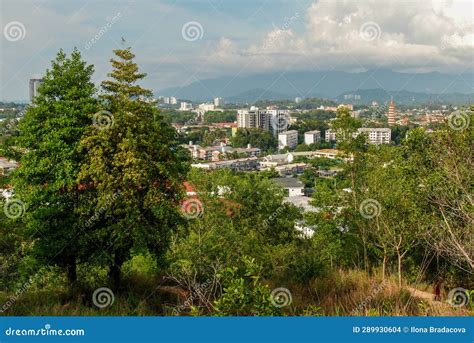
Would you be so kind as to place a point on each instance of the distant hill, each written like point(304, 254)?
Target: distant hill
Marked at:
point(366, 96)
point(255, 95)
point(326, 84)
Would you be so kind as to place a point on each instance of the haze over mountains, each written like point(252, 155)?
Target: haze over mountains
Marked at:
point(371, 85)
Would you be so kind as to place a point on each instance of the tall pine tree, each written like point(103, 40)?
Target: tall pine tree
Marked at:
point(135, 170)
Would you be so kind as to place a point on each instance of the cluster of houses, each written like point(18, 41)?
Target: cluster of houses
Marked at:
point(284, 164)
point(220, 152)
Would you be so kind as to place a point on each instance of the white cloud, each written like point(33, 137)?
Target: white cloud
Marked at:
point(347, 34)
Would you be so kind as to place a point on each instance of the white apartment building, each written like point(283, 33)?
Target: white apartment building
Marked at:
point(377, 135)
point(206, 107)
point(34, 85)
point(278, 120)
point(252, 119)
point(169, 100)
point(311, 137)
point(288, 139)
point(185, 106)
point(272, 120)
point(218, 102)
point(330, 136)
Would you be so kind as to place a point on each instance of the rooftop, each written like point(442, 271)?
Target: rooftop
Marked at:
point(288, 182)
point(289, 132)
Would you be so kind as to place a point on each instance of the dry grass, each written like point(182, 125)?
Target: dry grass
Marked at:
point(354, 293)
point(343, 293)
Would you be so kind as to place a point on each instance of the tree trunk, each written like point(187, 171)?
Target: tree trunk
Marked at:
point(115, 274)
point(399, 269)
point(384, 265)
point(71, 269)
point(366, 258)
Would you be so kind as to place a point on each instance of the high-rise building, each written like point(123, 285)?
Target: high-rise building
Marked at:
point(34, 85)
point(218, 102)
point(278, 120)
point(185, 106)
point(391, 113)
point(168, 100)
point(288, 139)
point(311, 137)
point(272, 120)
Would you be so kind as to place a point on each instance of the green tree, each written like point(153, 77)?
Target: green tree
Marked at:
point(220, 116)
point(390, 205)
point(47, 149)
point(135, 169)
point(442, 164)
point(256, 138)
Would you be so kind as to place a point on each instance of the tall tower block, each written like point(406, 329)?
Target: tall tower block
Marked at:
point(391, 113)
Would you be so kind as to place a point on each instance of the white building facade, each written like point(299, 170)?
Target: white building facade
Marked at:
point(288, 139)
point(272, 120)
point(311, 137)
point(377, 135)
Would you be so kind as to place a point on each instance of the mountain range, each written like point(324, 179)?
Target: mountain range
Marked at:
point(371, 85)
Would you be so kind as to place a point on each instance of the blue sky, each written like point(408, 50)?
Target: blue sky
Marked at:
point(235, 37)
